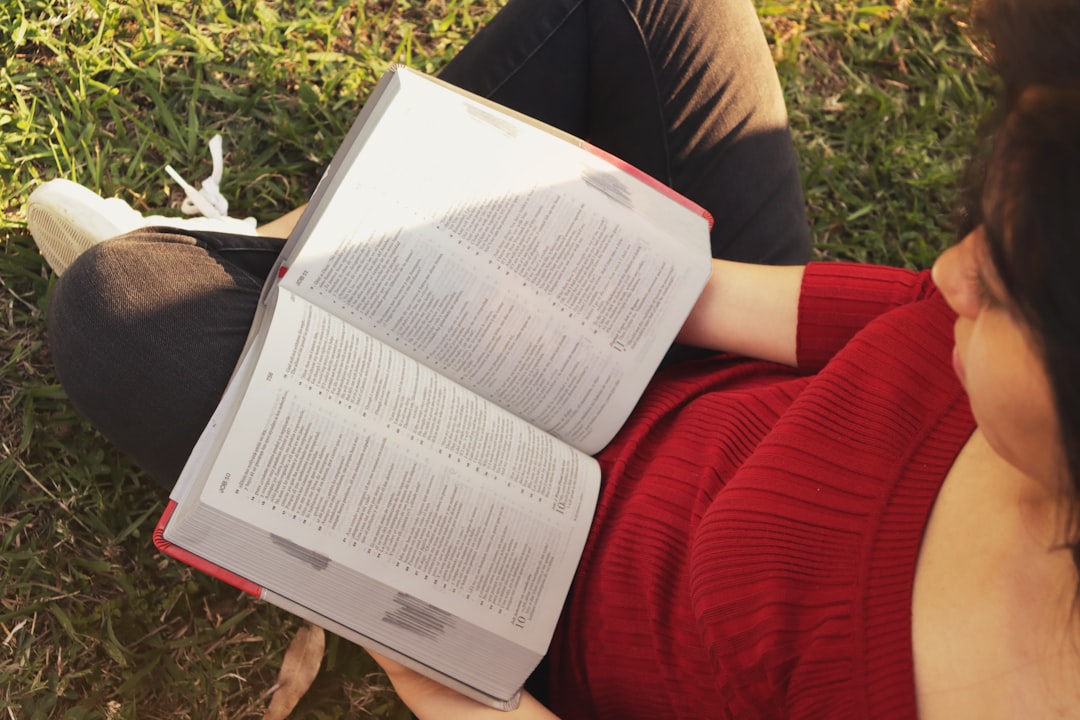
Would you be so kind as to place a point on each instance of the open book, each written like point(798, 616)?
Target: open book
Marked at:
point(470, 306)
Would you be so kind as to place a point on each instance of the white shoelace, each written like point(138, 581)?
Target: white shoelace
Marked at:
point(207, 200)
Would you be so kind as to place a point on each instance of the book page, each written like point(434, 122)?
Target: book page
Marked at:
point(346, 451)
point(507, 259)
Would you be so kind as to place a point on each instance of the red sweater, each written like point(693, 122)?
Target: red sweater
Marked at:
point(754, 548)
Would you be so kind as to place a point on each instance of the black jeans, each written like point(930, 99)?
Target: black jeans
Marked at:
point(145, 329)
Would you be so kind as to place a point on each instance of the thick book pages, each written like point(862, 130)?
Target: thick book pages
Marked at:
point(470, 306)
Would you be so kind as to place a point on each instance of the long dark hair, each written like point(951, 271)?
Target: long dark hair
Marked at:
point(1033, 233)
point(1032, 179)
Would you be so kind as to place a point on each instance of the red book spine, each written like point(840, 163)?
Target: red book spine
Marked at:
point(650, 181)
point(201, 564)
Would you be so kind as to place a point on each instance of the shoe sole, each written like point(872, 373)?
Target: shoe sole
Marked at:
point(57, 238)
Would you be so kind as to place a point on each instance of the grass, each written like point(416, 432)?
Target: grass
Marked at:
point(884, 100)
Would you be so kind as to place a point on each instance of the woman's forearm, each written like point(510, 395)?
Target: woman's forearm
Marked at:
point(747, 309)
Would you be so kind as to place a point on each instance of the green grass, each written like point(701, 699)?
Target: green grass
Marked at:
point(884, 100)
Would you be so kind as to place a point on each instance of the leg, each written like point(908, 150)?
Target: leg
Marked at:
point(685, 90)
point(144, 353)
point(145, 330)
point(282, 226)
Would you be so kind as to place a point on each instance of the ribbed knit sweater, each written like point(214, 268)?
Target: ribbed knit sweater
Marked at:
point(754, 548)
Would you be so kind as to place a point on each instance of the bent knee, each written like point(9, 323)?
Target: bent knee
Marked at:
point(144, 337)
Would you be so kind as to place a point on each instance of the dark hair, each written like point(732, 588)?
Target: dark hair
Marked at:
point(1031, 186)
point(1033, 232)
point(1032, 43)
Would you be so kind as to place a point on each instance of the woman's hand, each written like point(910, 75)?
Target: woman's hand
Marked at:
point(431, 701)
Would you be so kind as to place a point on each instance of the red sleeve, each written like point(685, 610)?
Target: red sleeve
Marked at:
point(838, 299)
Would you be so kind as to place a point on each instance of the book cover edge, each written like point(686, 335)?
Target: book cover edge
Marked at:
point(649, 180)
point(201, 564)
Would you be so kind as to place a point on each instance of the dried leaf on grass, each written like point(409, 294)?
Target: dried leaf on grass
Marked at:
point(298, 671)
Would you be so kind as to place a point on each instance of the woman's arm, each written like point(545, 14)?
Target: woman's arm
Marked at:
point(431, 701)
point(751, 310)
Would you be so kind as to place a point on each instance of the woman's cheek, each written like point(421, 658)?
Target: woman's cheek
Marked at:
point(982, 376)
point(961, 346)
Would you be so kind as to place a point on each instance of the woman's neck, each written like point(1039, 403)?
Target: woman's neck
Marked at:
point(993, 626)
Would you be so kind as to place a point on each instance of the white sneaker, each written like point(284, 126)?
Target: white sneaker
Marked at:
point(66, 219)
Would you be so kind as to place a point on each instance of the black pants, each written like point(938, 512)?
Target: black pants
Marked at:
point(145, 329)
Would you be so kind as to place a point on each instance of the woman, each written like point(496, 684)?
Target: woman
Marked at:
point(884, 549)
point(872, 518)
